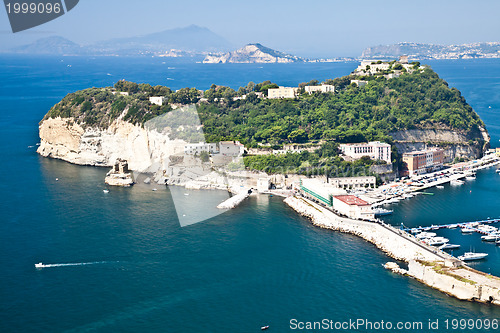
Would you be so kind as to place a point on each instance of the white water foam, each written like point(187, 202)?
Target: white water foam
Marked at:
point(75, 264)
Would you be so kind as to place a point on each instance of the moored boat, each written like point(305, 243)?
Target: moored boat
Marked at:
point(468, 256)
point(449, 246)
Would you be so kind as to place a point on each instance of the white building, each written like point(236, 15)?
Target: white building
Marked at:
point(354, 182)
point(376, 150)
point(352, 207)
point(282, 92)
point(158, 100)
point(359, 83)
point(231, 148)
point(197, 148)
point(123, 93)
point(336, 199)
point(263, 184)
point(371, 66)
point(324, 88)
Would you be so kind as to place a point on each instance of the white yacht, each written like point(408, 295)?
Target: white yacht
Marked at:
point(472, 256)
point(447, 246)
point(471, 176)
point(491, 237)
point(435, 241)
point(382, 211)
point(440, 186)
point(467, 230)
point(424, 235)
point(457, 182)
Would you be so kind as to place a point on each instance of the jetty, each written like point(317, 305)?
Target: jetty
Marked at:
point(426, 263)
point(234, 201)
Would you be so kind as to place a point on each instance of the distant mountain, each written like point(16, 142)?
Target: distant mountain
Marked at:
point(432, 51)
point(252, 53)
point(50, 45)
point(191, 40)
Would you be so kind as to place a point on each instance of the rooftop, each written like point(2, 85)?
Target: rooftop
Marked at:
point(351, 200)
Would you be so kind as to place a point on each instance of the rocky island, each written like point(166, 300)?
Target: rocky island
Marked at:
point(251, 53)
point(98, 126)
point(263, 132)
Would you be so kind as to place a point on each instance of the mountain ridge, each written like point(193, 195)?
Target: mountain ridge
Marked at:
point(192, 38)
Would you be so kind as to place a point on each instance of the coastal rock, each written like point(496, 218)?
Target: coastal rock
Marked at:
point(145, 150)
point(455, 144)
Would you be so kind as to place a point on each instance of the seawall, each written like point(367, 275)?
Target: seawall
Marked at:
point(427, 264)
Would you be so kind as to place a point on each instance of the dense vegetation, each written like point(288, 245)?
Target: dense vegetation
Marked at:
point(352, 114)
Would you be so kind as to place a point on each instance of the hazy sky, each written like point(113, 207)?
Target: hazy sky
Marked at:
point(326, 28)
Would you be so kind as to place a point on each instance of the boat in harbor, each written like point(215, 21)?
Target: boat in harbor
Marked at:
point(471, 176)
point(467, 230)
point(440, 186)
point(435, 241)
point(457, 182)
point(447, 246)
point(434, 227)
point(382, 211)
point(452, 226)
point(468, 256)
point(424, 235)
point(497, 170)
point(491, 237)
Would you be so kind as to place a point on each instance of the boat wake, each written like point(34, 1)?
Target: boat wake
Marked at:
point(42, 265)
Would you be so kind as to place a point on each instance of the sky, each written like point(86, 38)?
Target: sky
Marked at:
point(313, 28)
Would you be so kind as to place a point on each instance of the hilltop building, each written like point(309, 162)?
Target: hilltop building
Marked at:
point(158, 100)
point(376, 150)
point(359, 83)
point(282, 92)
point(324, 88)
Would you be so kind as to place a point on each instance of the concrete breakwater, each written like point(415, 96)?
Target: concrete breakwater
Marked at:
point(234, 200)
point(427, 264)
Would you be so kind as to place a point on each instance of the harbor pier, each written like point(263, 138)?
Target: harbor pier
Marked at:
point(427, 264)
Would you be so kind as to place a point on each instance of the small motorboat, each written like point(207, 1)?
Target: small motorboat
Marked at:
point(263, 328)
point(490, 238)
point(467, 230)
point(105, 191)
point(457, 182)
point(440, 186)
point(154, 189)
point(449, 246)
point(435, 241)
point(468, 256)
point(424, 235)
point(39, 265)
point(471, 176)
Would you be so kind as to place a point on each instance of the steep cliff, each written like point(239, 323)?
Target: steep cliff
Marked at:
point(145, 149)
point(459, 144)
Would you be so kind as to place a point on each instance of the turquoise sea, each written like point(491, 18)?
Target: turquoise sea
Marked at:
point(137, 270)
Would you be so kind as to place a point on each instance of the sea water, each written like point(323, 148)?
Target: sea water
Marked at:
point(259, 264)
